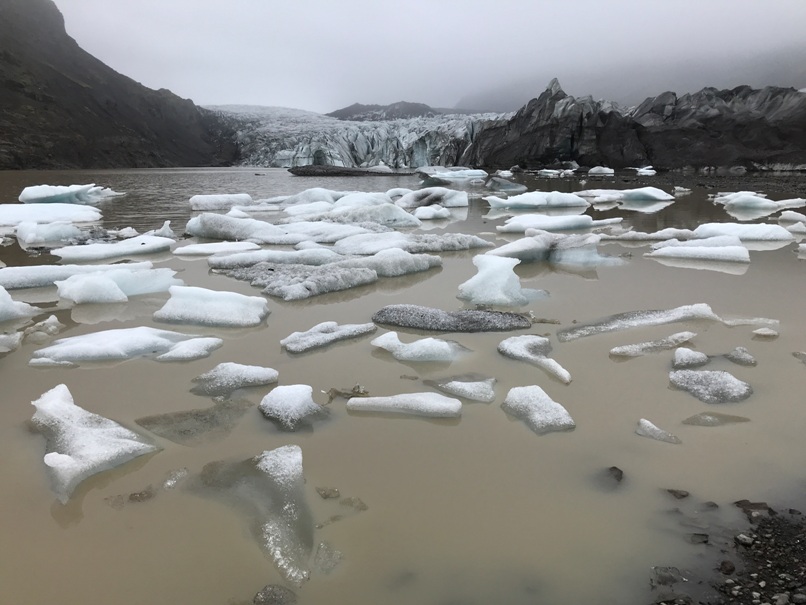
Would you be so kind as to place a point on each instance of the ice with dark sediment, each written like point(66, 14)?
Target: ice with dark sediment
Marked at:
point(228, 376)
point(741, 356)
point(124, 344)
point(14, 214)
point(534, 349)
point(475, 387)
point(11, 309)
point(270, 490)
point(215, 248)
point(115, 285)
point(447, 198)
point(323, 334)
point(541, 413)
point(429, 318)
point(711, 386)
point(646, 428)
point(79, 443)
point(311, 256)
point(538, 199)
point(429, 405)
point(142, 244)
point(66, 194)
point(652, 346)
point(200, 306)
point(298, 282)
point(713, 419)
point(635, 319)
point(30, 234)
point(41, 276)
point(421, 350)
point(220, 201)
point(290, 406)
point(195, 427)
point(520, 224)
point(685, 358)
point(371, 243)
point(496, 283)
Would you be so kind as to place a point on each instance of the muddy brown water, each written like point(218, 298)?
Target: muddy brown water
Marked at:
point(471, 510)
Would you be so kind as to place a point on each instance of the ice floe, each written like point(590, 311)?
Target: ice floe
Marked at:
point(79, 443)
point(372, 243)
point(323, 334)
point(11, 309)
point(290, 405)
point(10, 342)
point(538, 199)
point(766, 333)
point(653, 346)
point(646, 429)
point(123, 344)
point(474, 387)
point(298, 282)
point(525, 222)
point(387, 215)
point(496, 283)
point(752, 232)
point(42, 331)
point(534, 349)
point(215, 248)
point(221, 201)
point(430, 405)
point(711, 386)
point(66, 194)
point(14, 214)
point(311, 256)
point(33, 234)
point(142, 244)
point(601, 171)
point(541, 413)
point(557, 248)
point(722, 254)
point(40, 276)
point(741, 356)
point(685, 358)
point(228, 376)
point(430, 213)
point(428, 318)
point(194, 305)
point(392, 262)
point(115, 285)
point(639, 194)
point(218, 226)
point(424, 349)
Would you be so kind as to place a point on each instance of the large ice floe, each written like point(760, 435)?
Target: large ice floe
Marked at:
point(14, 214)
point(79, 443)
point(40, 276)
point(711, 386)
point(323, 334)
point(468, 320)
point(429, 405)
point(652, 346)
point(634, 319)
point(124, 344)
point(115, 285)
point(538, 199)
point(639, 194)
point(291, 405)
point(424, 349)
point(270, 490)
point(757, 232)
point(473, 386)
point(534, 349)
point(141, 244)
point(541, 413)
point(66, 194)
point(496, 283)
point(227, 377)
point(194, 305)
point(11, 309)
point(372, 243)
point(524, 222)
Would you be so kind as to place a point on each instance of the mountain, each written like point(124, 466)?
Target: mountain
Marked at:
point(396, 111)
point(60, 107)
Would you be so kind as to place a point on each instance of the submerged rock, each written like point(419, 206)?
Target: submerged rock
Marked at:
point(711, 386)
point(540, 413)
point(427, 318)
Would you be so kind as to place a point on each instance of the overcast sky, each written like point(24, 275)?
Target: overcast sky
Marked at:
point(322, 55)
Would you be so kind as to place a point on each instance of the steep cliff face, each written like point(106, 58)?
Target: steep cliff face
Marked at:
point(61, 107)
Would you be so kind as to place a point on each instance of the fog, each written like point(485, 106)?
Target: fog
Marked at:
point(321, 55)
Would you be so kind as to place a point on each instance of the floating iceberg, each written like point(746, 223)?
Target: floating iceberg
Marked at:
point(788, 216)
point(653, 346)
point(80, 443)
point(424, 349)
point(474, 387)
point(427, 318)
point(33, 234)
point(601, 171)
point(216, 248)
point(298, 282)
point(638, 236)
point(538, 199)
point(496, 283)
point(189, 304)
point(115, 285)
point(222, 201)
point(124, 344)
point(290, 405)
point(66, 194)
point(323, 334)
point(14, 214)
point(639, 194)
point(41, 331)
point(10, 342)
point(644, 171)
point(634, 319)
point(754, 232)
point(11, 309)
point(428, 196)
point(558, 248)
point(222, 227)
point(41, 276)
point(539, 411)
point(430, 405)
point(711, 386)
point(142, 244)
point(685, 358)
point(392, 262)
point(312, 256)
point(430, 213)
point(372, 243)
point(535, 350)
point(525, 222)
point(227, 377)
point(646, 429)
point(731, 254)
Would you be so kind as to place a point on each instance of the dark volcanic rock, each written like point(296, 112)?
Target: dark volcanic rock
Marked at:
point(60, 107)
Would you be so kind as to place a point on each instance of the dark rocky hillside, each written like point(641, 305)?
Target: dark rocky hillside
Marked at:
point(396, 111)
point(60, 107)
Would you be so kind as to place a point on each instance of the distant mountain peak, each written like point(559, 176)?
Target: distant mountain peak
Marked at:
point(400, 110)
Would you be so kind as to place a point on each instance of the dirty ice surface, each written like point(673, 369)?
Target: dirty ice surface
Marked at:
point(711, 386)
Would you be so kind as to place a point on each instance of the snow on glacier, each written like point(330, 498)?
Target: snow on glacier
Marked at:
point(14, 214)
point(534, 349)
point(124, 344)
point(423, 349)
point(194, 305)
point(323, 334)
point(142, 244)
point(66, 194)
point(430, 405)
point(537, 410)
point(11, 309)
point(290, 405)
point(228, 376)
point(652, 346)
point(115, 285)
point(40, 276)
point(79, 443)
point(496, 283)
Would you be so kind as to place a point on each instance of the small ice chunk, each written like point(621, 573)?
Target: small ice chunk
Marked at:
point(40, 332)
point(688, 358)
point(123, 344)
point(42, 276)
point(601, 171)
point(427, 318)
point(66, 194)
point(115, 285)
point(227, 377)
point(80, 443)
point(142, 244)
point(323, 334)
point(713, 419)
point(424, 349)
point(631, 195)
point(789, 216)
point(290, 405)
point(765, 333)
point(496, 283)
point(431, 405)
point(32, 234)
point(190, 304)
point(646, 429)
point(741, 356)
point(221, 201)
point(164, 231)
point(539, 411)
point(14, 214)
point(430, 213)
point(711, 386)
point(11, 309)
point(474, 387)
point(216, 248)
point(534, 349)
point(428, 196)
point(653, 346)
point(677, 190)
point(10, 342)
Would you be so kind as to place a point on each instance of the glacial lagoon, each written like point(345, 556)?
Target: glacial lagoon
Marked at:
point(474, 508)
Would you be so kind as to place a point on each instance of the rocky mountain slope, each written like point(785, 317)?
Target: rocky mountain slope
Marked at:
point(60, 107)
